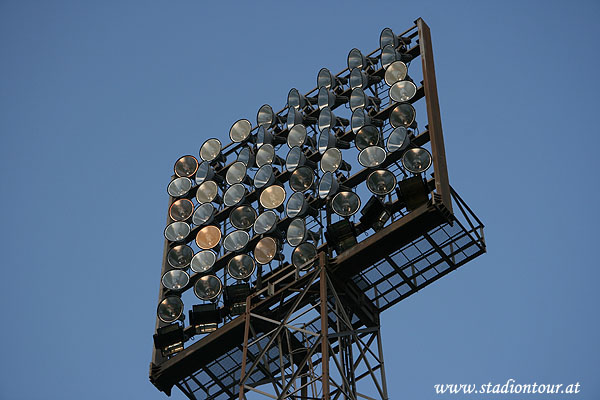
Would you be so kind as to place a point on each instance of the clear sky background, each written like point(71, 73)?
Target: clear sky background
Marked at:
point(98, 100)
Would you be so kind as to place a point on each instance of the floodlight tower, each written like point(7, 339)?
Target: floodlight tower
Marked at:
point(292, 255)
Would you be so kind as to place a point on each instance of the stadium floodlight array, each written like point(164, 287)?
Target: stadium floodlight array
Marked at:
point(282, 186)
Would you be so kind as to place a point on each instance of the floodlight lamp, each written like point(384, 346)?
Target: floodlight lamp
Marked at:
point(234, 195)
point(203, 261)
point(175, 279)
point(295, 158)
point(398, 139)
point(359, 99)
point(181, 210)
point(374, 214)
point(204, 214)
point(413, 192)
point(266, 155)
point(402, 91)
point(387, 37)
point(389, 54)
point(205, 318)
point(372, 156)
point(297, 232)
point(360, 118)
point(356, 59)
point(327, 119)
point(266, 117)
point(208, 192)
point(302, 179)
point(236, 173)
point(211, 150)
point(241, 267)
point(332, 161)
point(345, 204)
point(341, 235)
point(177, 231)
point(403, 115)
point(169, 339)
point(208, 237)
point(417, 160)
point(246, 156)
point(297, 206)
point(266, 250)
point(186, 166)
point(303, 255)
point(235, 298)
point(240, 131)
point(236, 241)
point(328, 185)
point(328, 140)
point(395, 72)
point(326, 78)
point(367, 136)
point(361, 79)
point(206, 172)
point(170, 309)
point(296, 100)
point(327, 98)
point(265, 176)
point(243, 217)
point(272, 197)
point(381, 182)
point(297, 136)
point(180, 256)
point(266, 222)
point(179, 187)
point(208, 287)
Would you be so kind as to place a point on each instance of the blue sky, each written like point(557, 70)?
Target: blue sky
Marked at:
point(99, 99)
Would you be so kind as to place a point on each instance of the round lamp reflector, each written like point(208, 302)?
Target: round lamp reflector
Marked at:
point(210, 149)
point(272, 197)
point(325, 141)
point(264, 176)
point(205, 172)
point(367, 136)
point(266, 222)
point(301, 179)
point(360, 118)
point(403, 91)
point(331, 160)
point(241, 267)
point(265, 155)
point(265, 116)
point(395, 72)
point(204, 214)
point(234, 195)
point(389, 54)
point(208, 287)
point(170, 309)
point(243, 217)
point(356, 59)
point(325, 118)
point(325, 78)
point(181, 210)
point(303, 255)
point(358, 79)
point(265, 250)
point(203, 261)
point(328, 185)
point(371, 156)
point(296, 205)
point(402, 115)
point(381, 182)
point(296, 136)
point(180, 256)
point(175, 279)
point(240, 130)
point(207, 192)
point(358, 99)
point(208, 237)
point(325, 98)
point(398, 139)
point(295, 99)
point(236, 240)
point(236, 173)
point(177, 231)
point(387, 37)
point(417, 160)
point(345, 204)
point(179, 187)
point(246, 156)
point(294, 158)
point(186, 166)
point(296, 232)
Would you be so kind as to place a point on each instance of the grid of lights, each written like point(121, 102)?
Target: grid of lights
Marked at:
point(274, 194)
